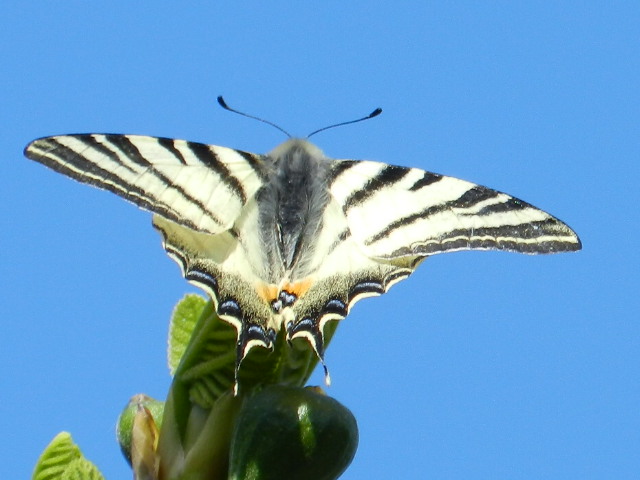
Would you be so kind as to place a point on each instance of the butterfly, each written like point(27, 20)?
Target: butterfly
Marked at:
point(290, 240)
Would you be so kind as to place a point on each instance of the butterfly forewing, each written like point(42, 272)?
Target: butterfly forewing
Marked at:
point(397, 211)
point(199, 186)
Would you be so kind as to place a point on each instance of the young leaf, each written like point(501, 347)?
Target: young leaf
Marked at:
point(184, 318)
point(63, 460)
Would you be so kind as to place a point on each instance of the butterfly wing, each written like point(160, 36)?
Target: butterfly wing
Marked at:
point(395, 212)
point(203, 198)
point(202, 187)
point(341, 273)
point(383, 220)
point(386, 219)
point(228, 266)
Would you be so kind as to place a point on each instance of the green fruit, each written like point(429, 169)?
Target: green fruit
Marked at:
point(292, 433)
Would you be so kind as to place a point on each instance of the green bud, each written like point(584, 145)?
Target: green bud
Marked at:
point(137, 428)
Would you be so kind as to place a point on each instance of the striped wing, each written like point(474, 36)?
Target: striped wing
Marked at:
point(202, 187)
point(396, 212)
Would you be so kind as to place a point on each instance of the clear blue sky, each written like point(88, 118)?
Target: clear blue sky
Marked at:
point(479, 366)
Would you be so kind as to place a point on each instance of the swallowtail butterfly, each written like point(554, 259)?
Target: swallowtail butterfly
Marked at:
point(291, 240)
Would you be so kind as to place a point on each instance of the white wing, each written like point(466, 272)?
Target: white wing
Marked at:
point(395, 212)
point(202, 187)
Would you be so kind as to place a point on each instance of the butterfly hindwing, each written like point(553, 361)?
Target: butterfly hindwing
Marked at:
point(228, 267)
point(341, 274)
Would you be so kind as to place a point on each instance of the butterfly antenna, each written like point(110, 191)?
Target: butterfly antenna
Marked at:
point(224, 105)
point(375, 113)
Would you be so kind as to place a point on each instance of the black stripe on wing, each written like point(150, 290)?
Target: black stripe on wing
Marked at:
point(256, 162)
point(61, 158)
point(209, 158)
point(170, 145)
point(427, 179)
point(548, 235)
point(467, 200)
point(517, 238)
point(340, 238)
point(388, 176)
point(337, 168)
point(126, 146)
point(82, 167)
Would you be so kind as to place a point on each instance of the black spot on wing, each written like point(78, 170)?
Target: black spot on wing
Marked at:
point(366, 287)
point(285, 299)
point(251, 332)
point(230, 307)
point(200, 277)
point(311, 326)
point(335, 306)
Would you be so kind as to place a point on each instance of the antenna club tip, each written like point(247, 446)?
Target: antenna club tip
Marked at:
point(222, 103)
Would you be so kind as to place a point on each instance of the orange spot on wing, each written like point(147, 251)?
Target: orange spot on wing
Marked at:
point(270, 292)
point(298, 288)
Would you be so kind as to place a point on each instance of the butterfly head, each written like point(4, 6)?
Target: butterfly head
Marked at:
point(296, 145)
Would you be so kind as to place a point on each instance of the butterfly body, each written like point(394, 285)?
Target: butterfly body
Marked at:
point(287, 241)
point(291, 204)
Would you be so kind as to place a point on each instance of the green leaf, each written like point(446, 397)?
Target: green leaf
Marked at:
point(183, 321)
point(207, 364)
point(82, 469)
point(204, 375)
point(63, 460)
